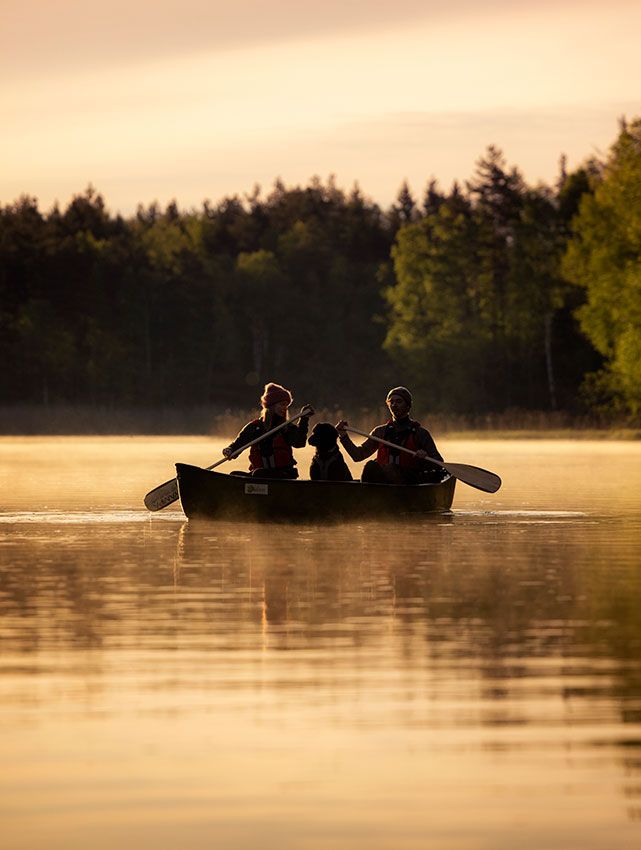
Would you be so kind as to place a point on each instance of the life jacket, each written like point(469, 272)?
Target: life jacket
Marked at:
point(272, 453)
point(405, 438)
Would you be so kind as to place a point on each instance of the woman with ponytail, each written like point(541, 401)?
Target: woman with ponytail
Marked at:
point(273, 457)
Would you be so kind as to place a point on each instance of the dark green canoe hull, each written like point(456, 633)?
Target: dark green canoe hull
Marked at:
point(212, 495)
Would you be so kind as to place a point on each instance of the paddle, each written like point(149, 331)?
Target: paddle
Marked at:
point(167, 493)
point(482, 479)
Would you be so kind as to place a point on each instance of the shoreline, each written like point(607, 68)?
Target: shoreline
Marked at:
point(215, 421)
point(618, 434)
point(582, 435)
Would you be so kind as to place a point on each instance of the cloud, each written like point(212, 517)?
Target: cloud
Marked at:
point(375, 105)
point(377, 152)
point(48, 37)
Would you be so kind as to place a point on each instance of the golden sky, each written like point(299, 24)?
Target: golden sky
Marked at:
point(197, 99)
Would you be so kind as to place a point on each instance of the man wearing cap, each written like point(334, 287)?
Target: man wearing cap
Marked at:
point(273, 456)
point(392, 466)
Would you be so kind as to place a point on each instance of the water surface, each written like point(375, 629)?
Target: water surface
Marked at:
point(463, 681)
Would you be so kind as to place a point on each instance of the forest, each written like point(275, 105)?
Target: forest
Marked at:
point(488, 297)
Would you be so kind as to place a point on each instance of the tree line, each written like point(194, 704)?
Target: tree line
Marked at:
point(491, 296)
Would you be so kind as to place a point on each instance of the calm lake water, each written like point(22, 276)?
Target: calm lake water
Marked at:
point(464, 681)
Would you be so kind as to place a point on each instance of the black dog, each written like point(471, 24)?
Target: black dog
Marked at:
point(328, 463)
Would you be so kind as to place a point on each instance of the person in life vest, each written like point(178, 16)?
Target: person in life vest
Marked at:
point(273, 457)
point(392, 466)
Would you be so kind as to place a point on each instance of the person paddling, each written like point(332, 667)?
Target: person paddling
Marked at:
point(391, 466)
point(273, 457)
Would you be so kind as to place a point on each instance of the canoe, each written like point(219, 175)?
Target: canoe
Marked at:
point(213, 495)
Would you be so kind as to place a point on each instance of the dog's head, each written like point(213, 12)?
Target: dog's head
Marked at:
point(323, 436)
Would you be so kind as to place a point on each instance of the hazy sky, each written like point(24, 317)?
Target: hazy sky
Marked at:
point(196, 99)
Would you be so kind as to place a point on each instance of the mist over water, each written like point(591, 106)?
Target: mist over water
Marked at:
point(458, 681)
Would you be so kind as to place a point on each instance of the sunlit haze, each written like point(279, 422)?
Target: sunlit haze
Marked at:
point(196, 100)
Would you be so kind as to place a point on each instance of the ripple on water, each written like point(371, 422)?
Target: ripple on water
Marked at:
point(88, 517)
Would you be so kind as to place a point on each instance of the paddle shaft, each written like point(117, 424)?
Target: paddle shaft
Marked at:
point(167, 493)
point(257, 440)
point(482, 479)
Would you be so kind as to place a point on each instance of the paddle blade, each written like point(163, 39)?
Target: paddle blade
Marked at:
point(161, 496)
point(482, 479)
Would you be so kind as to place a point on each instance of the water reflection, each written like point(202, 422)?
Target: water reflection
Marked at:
point(519, 610)
point(403, 683)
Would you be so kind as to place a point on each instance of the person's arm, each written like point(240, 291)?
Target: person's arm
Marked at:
point(424, 442)
point(246, 435)
point(296, 433)
point(361, 452)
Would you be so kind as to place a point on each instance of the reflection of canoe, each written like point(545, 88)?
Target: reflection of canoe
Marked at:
point(217, 496)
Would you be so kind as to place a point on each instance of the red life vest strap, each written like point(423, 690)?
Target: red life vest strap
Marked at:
point(272, 453)
point(405, 438)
